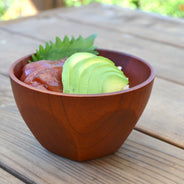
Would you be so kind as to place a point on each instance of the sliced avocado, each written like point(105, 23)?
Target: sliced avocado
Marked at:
point(96, 80)
point(113, 82)
point(85, 76)
point(83, 66)
point(68, 66)
point(114, 79)
point(85, 73)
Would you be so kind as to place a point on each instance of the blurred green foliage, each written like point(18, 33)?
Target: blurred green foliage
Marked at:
point(9, 9)
point(4, 5)
point(165, 7)
point(173, 8)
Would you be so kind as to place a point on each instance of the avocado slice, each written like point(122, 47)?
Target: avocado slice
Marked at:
point(101, 75)
point(83, 66)
point(113, 82)
point(85, 76)
point(69, 65)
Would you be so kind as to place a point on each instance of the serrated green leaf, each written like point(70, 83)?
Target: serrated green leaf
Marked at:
point(73, 39)
point(58, 41)
point(34, 58)
point(61, 49)
point(46, 46)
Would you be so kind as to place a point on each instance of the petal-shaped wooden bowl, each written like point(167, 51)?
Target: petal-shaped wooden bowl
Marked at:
point(83, 127)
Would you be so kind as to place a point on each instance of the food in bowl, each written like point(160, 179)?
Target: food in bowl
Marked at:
point(44, 74)
point(78, 71)
point(84, 126)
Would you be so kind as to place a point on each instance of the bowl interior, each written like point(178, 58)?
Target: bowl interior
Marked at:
point(134, 68)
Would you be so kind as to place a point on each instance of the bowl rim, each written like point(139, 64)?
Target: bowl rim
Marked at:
point(141, 85)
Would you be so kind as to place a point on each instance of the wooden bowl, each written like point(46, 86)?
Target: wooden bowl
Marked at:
point(84, 127)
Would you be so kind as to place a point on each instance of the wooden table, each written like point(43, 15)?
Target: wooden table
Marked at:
point(154, 151)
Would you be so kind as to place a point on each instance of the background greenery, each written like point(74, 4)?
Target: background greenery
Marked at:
point(4, 6)
point(173, 8)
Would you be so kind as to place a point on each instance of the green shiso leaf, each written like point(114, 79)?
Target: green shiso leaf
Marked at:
point(61, 49)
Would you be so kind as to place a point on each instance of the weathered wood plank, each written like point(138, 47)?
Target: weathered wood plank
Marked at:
point(163, 116)
point(141, 159)
point(141, 24)
point(7, 178)
point(160, 55)
point(12, 47)
point(132, 22)
point(6, 96)
point(4, 83)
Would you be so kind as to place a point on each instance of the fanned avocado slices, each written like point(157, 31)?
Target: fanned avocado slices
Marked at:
point(84, 66)
point(85, 73)
point(68, 68)
point(108, 79)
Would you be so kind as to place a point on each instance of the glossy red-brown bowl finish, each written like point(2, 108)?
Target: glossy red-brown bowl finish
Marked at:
point(83, 127)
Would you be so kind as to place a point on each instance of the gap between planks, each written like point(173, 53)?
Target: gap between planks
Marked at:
point(7, 178)
point(16, 174)
point(4, 74)
point(21, 34)
point(26, 179)
point(159, 137)
point(169, 80)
